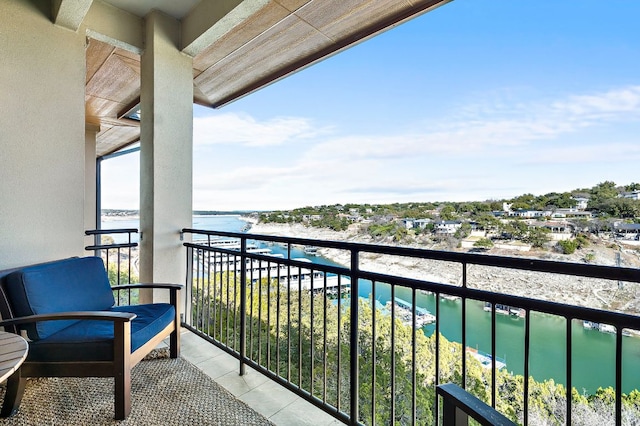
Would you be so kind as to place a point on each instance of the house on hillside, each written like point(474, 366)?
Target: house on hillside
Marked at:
point(571, 212)
point(560, 230)
point(447, 227)
point(627, 231)
point(408, 223)
point(634, 195)
point(416, 223)
point(527, 213)
point(581, 202)
point(421, 223)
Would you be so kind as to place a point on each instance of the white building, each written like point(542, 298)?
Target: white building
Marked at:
point(447, 227)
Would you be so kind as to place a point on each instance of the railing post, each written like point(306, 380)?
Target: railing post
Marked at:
point(354, 347)
point(188, 286)
point(452, 415)
point(243, 305)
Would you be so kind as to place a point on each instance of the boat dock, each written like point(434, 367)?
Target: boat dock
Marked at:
point(405, 313)
point(295, 277)
point(486, 360)
point(506, 310)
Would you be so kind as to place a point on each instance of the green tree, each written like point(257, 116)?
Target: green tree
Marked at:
point(515, 229)
point(538, 236)
point(486, 221)
point(633, 186)
point(568, 246)
point(447, 212)
point(601, 194)
point(464, 231)
point(483, 243)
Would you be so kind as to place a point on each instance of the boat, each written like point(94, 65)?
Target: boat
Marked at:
point(311, 251)
point(449, 297)
point(506, 310)
point(486, 360)
point(604, 328)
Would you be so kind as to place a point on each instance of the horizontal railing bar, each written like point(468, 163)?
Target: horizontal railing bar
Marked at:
point(565, 268)
point(111, 246)
point(111, 231)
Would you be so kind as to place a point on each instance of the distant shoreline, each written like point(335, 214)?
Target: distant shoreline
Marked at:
point(113, 217)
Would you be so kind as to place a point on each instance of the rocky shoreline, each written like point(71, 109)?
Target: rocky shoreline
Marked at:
point(589, 292)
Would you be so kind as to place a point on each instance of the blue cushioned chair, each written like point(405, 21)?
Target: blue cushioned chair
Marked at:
point(67, 310)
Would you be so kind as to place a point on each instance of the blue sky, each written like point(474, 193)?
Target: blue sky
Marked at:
point(479, 99)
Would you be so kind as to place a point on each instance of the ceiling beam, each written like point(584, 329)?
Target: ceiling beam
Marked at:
point(115, 26)
point(209, 21)
point(69, 13)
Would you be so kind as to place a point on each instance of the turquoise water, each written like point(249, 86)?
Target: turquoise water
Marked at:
point(593, 354)
point(593, 351)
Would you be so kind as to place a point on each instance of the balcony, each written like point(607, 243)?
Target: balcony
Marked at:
point(304, 330)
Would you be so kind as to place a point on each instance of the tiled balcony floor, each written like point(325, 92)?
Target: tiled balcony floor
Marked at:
point(279, 405)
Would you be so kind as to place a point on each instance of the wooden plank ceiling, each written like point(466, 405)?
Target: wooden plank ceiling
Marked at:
point(280, 38)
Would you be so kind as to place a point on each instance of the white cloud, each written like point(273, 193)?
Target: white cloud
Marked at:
point(243, 178)
point(490, 131)
point(243, 129)
point(612, 105)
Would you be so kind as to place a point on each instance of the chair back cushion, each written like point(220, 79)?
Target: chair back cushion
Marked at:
point(75, 284)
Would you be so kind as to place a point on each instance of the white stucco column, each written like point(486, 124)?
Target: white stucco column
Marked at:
point(90, 133)
point(166, 157)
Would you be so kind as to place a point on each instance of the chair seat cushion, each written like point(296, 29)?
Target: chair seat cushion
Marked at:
point(90, 340)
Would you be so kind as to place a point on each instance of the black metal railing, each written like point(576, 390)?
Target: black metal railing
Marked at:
point(362, 362)
point(118, 248)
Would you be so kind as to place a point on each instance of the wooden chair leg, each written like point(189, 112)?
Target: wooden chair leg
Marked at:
point(174, 344)
point(122, 395)
point(174, 337)
point(13, 396)
point(122, 369)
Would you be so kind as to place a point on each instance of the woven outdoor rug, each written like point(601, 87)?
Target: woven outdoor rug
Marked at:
point(163, 392)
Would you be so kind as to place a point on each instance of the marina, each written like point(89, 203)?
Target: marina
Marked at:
point(295, 277)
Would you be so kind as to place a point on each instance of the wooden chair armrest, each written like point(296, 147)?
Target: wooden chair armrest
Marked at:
point(148, 285)
point(116, 317)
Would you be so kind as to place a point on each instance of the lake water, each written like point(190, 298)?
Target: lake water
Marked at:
point(593, 351)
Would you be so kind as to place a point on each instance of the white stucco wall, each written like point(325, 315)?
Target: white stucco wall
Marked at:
point(42, 137)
